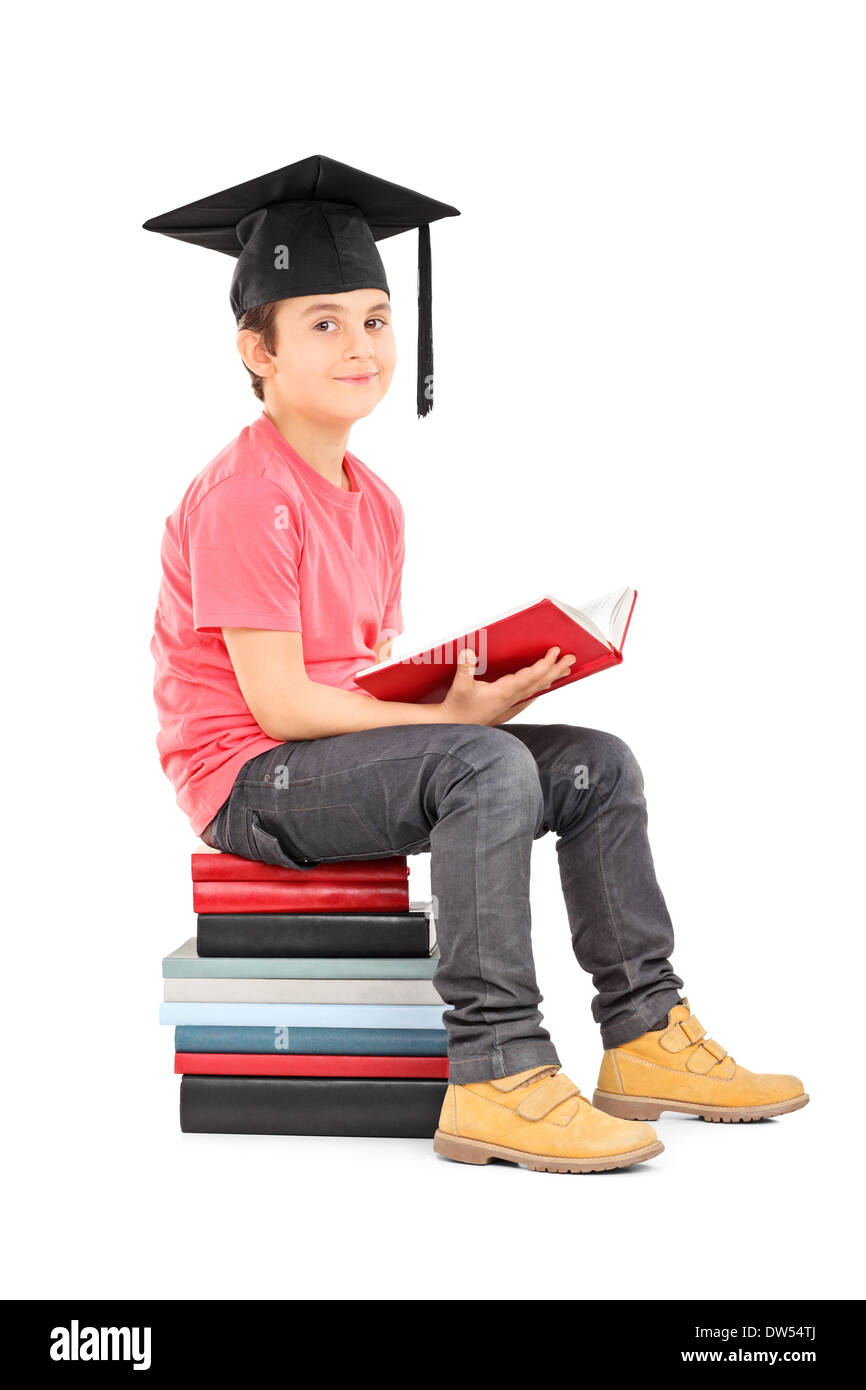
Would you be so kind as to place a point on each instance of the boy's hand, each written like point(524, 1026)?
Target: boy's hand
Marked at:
point(515, 710)
point(471, 701)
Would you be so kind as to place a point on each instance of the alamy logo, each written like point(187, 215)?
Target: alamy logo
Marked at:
point(446, 653)
point(75, 1343)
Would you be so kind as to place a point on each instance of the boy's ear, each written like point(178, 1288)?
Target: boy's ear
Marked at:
point(254, 353)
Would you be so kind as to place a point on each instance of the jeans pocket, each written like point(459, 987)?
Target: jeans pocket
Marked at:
point(268, 848)
point(309, 835)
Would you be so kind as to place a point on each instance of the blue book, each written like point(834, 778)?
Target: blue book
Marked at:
point(315, 1042)
point(306, 1015)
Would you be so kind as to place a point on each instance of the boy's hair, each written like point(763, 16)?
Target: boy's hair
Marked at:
point(261, 319)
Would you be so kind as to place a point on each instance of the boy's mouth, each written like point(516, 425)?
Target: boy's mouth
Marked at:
point(360, 379)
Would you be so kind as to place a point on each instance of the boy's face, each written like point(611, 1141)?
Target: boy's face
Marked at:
point(335, 355)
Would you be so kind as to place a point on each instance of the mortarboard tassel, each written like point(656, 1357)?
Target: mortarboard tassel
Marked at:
point(424, 392)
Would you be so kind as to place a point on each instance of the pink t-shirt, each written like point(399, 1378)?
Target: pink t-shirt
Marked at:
point(260, 539)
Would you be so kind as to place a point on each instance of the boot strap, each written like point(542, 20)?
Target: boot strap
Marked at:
point(547, 1097)
point(684, 1034)
point(705, 1057)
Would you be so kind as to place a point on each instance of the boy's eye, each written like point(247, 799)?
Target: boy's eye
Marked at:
point(328, 325)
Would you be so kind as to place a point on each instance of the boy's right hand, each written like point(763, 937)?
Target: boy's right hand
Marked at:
point(471, 701)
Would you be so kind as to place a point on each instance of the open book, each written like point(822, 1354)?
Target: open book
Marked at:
point(595, 634)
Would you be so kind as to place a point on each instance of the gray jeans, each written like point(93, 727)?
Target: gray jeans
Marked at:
point(476, 798)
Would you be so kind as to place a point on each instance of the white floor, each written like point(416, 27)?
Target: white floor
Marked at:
point(131, 1208)
point(110, 1199)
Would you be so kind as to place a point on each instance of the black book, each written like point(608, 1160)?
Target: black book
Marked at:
point(288, 934)
point(368, 1107)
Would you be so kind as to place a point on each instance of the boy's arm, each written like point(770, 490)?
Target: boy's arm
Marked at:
point(286, 704)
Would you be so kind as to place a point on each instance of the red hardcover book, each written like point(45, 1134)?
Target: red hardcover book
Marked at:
point(341, 896)
point(284, 1064)
point(211, 866)
point(595, 634)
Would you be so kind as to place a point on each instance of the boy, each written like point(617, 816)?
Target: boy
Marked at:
point(281, 579)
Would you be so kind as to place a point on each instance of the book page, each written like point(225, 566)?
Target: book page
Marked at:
point(604, 617)
point(457, 636)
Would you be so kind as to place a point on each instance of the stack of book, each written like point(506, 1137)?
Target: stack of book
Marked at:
point(305, 1002)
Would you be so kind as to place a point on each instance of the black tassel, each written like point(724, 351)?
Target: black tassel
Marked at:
point(424, 392)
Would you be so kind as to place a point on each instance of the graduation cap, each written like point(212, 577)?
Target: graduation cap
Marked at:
point(312, 228)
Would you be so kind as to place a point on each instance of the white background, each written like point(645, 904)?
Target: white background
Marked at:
point(649, 330)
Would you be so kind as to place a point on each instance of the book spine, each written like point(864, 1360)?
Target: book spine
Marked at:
point(270, 991)
point(231, 868)
point(299, 968)
point(304, 1015)
point(301, 897)
point(289, 935)
point(370, 1108)
point(299, 1064)
point(390, 1042)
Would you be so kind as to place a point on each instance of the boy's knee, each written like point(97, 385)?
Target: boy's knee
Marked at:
point(490, 749)
point(608, 759)
point(615, 764)
point(504, 763)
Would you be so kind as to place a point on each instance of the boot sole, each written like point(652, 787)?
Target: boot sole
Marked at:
point(650, 1107)
point(475, 1151)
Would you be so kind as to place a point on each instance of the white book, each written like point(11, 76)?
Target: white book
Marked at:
point(215, 990)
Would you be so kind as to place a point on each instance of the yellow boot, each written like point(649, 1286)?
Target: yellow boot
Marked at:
point(680, 1068)
point(537, 1117)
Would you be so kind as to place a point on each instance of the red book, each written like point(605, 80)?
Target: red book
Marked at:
point(342, 896)
point(215, 867)
point(594, 634)
point(286, 1064)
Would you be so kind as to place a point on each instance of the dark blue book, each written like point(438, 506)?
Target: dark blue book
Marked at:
point(337, 1042)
